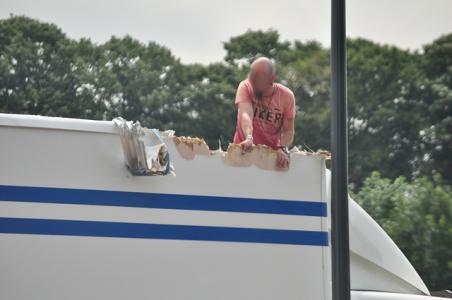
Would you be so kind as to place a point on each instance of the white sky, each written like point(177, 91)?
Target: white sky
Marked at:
point(195, 29)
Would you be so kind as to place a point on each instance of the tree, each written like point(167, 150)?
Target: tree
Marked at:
point(386, 110)
point(418, 217)
point(35, 69)
point(436, 136)
point(247, 46)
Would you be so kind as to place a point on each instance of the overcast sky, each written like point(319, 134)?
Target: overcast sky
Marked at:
point(195, 29)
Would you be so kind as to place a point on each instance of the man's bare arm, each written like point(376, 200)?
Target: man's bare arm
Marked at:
point(246, 117)
point(288, 132)
point(246, 121)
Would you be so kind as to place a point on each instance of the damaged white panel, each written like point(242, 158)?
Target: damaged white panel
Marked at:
point(145, 152)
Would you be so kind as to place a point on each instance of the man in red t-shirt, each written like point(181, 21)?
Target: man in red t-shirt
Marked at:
point(266, 111)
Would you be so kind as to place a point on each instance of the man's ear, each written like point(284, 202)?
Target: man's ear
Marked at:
point(273, 77)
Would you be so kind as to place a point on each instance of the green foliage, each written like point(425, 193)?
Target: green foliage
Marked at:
point(385, 108)
point(418, 217)
point(34, 59)
point(252, 44)
point(436, 135)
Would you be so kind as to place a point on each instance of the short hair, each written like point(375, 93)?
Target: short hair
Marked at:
point(270, 64)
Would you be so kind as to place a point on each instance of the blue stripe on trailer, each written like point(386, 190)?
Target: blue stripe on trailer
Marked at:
point(161, 231)
point(162, 201)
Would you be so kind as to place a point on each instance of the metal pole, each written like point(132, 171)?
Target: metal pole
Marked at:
point(339, 164)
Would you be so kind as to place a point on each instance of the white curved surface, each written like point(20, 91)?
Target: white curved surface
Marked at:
point(376, 261)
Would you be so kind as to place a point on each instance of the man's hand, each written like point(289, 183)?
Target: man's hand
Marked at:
point(246, 120)
point(282, 159)
point(247, 145)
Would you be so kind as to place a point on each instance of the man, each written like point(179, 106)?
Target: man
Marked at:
point(266, 112)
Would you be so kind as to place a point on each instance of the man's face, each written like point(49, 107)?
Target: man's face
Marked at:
point(261, 81)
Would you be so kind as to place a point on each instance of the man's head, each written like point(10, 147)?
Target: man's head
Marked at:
point(262, 75)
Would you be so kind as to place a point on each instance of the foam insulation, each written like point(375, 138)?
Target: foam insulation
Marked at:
point(189, 147)
point(261, 156)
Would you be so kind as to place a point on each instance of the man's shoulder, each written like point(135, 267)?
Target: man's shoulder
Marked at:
point(244, 92)
point(245, 85)
point(284, 89)
point(245, 82)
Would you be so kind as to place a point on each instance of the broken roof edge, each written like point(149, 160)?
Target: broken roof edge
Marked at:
point(197, 145)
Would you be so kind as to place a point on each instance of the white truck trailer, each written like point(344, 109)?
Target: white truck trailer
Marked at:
point(76, 223)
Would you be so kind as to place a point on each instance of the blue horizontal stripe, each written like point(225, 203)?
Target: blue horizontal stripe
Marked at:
point(160, 231)
point(164, 201)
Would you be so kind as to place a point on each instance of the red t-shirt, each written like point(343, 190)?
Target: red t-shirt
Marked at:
point(268, 113)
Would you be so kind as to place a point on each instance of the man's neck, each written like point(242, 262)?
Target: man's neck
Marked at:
point(269, 92)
